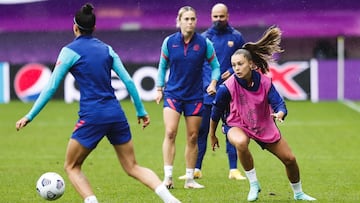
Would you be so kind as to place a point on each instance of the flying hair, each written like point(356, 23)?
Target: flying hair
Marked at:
point(262, 52)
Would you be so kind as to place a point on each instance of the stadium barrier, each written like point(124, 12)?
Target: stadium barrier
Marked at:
point(315, 80)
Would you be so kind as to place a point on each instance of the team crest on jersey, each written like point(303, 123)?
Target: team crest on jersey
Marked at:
point(196, 47)
point(230, 43)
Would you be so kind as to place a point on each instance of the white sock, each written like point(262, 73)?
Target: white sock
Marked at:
point(251, 175)
point(233, 169)
point(197, 170)
point(164, 193)
point(91, 199)
point(296, 187)
point(189, 173)
point(168, 169)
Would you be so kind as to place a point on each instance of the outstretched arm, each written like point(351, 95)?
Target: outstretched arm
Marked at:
point(124, 76)
point(66, 59)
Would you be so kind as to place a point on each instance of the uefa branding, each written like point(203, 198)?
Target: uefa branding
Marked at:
point(30, 80)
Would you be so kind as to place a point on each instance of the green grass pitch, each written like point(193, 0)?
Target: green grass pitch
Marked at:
point(324, 136)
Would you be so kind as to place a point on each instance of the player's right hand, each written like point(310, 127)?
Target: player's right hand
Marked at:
point(214, 142)
point(145, 119)
point(159, 97)
point(22, 123)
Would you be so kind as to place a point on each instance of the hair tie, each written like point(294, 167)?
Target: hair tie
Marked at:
point(81, 27)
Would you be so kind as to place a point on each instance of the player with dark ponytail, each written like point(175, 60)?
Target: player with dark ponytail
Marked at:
point(85, 19)
point(91, 61)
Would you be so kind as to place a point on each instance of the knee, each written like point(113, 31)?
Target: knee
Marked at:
point(171, 135)
point(193, 138)
point(131, 170)
point(241, 146)
point(68, 168)
point(289, 160)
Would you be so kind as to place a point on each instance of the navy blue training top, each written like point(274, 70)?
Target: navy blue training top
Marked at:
point(90, 61)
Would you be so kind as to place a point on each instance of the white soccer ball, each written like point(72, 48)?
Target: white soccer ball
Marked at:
point(50, 186)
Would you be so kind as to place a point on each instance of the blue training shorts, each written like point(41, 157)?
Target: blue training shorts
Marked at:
point(190, 108)
point(89, 135)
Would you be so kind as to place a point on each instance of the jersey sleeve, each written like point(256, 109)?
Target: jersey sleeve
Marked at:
point(276, 101)
point(213, 61)
point(124, 76)
point(163, 64)
point(220, 103)
point(65, 61)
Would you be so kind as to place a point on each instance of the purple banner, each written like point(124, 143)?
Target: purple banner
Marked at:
point(352, 80)
point(291, 79)
point(297, 18)
point(327, 80)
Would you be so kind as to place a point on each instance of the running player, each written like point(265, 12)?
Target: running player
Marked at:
point(90, 61)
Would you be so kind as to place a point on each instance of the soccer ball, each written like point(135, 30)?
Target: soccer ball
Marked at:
point(50, 186)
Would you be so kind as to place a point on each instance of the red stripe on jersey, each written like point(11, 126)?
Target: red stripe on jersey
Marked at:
point(211, 58)
point(164, 56)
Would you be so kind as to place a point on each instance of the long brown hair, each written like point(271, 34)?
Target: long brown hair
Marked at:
point(262, 52)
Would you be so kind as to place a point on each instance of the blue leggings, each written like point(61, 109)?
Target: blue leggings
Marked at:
point(202, 141)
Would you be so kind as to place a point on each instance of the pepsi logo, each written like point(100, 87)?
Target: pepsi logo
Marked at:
point(30, 80)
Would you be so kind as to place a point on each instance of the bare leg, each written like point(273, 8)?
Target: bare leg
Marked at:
point(191, 150)
point(126, 156)
point(241, 142)
point(75, 156)
point(171, 121)
point(282, 151)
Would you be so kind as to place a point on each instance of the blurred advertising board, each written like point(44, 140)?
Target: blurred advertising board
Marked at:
point(295, 80)
point(27, 81)
point(4, 83)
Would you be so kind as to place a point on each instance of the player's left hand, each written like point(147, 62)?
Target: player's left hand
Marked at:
point(211, 89)
point(159, 96)
point(22, 123)
point(279, 116)
point(145, 119)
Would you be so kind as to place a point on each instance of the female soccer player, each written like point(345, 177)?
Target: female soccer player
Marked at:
point(252, 105)
point(226, 40)
point(90, 61)
point(184, 53)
